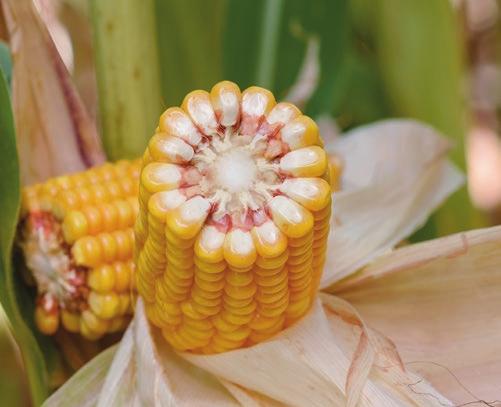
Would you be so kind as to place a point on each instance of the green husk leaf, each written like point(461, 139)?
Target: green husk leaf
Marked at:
point(361, 94)
point(264, 43)
point(421, 62)
point(329, 21)
point(190, 50)
point(128, 74)
point(6, 62)
point(10, 287)
point(242, 39)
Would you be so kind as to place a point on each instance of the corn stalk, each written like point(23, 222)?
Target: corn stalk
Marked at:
point(128, 74)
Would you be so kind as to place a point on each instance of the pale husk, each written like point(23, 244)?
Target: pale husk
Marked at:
point(439, 302)
point(330, 357)
point(89, 380)
point(395, 175)
point(55, 135)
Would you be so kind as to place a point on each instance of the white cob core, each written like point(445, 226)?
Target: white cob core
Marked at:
point(235, 171)
point(236, 176)
point(49, 262)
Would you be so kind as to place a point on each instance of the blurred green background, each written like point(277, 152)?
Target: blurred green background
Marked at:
point(344, 62)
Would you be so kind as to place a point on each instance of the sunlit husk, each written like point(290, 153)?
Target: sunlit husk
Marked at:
point(329, 358)
point(444, 302)
point(395, 175)
point(55, 135)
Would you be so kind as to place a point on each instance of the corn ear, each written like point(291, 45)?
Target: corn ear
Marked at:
point(234, 218)
point(77, 238)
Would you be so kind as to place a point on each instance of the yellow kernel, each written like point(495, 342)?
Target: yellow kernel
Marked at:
point(158, 177)
point(176, 122)
point(237, 335)
point(125, 214)
point(104, 306)
point(198, 106)
point(305, 162)
point(296, 309)
point(293, 219)
point(123, 276)
point(239, 249)
point(69, 199)
point(108, 246)
point(124, 240)
point(300, 132)
point(313, 193)
point(87, 251)
point(166, 148)
point(46, 322)
point(71, 321)
point(118, 324)
point(74, 226)
point(102, 279)
point(91, 326)
point(109, 216)
point(186, 220)
point(261, 323)
point(99, 193)
point(225, 97)
point(94, 219)
point(124, 303)
point(224, 326)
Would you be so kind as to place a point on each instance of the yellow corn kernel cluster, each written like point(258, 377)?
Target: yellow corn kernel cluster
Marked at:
point(235, 203)
point(78, 240)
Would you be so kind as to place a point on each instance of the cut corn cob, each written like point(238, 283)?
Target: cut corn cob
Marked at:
point(77, 237)
point(234, 215)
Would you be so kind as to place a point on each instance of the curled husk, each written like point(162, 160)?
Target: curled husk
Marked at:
point(55, 134)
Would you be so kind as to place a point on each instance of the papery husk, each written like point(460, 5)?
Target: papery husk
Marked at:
point(55, 135)
point(395, 174)
point(329, 358)
point(440, 303)
point(90, 382)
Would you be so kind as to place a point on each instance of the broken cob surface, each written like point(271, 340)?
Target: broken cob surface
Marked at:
point(235, 202)
point(76, 234)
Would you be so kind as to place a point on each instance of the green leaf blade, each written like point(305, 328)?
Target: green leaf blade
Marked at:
point(329, 21)
point(10, 199)
point(6, 62)
point(189, 45)
point(421, 63)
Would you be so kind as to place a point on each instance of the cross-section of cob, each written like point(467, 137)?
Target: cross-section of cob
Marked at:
point(234, 215)
point(76, 233)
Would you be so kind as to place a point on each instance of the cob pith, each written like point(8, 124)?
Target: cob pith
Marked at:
point(234, 215)
point(77, 237)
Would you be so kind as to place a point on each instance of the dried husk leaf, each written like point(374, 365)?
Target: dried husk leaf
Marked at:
point(439, 302)
point(396, 173)
point(90, 380)
point(55, 135)
point(179, 382)
point(143, 374)
point(329, 358)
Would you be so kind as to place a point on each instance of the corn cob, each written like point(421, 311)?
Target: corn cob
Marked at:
point(234, 215)
point(77, 238)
